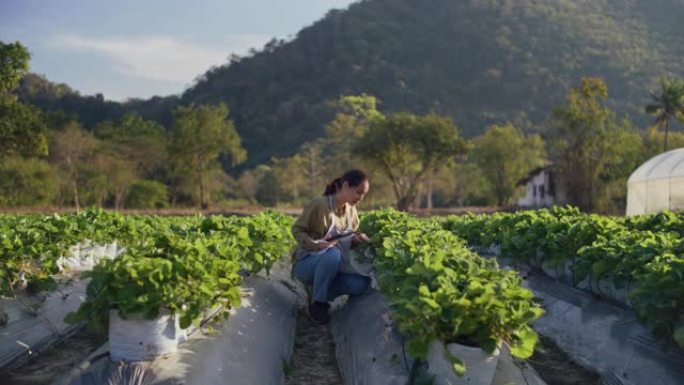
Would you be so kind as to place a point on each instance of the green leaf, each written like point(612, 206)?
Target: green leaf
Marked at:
point(489, 345)
point(185, 321)
point(417, 348)
point(72, 318)
point(456, 363)
point(430, 302)
point(206, 290)
point(600, 268)
point(523, 345)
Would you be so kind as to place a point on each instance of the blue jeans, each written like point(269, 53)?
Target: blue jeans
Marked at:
point(321, 271)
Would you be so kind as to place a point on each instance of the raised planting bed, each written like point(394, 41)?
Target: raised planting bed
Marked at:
point(637, 261)
point(181, 268)
point(252, 346)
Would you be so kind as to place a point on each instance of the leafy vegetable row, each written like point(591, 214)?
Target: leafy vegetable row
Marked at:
point(31, 245)
point(643, 255)
point(186, 269)
point(440, 290)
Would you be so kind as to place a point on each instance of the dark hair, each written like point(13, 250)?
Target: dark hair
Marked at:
point(352, 177)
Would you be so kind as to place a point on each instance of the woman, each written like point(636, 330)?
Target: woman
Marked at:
point(325, 232)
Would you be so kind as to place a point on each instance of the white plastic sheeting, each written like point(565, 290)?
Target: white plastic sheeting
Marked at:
point(599, 333)
point(249, 348)
point(607, 338)
point(138, 339)
point(36, 322)
point(657, 185)
point(85, 255)
point(370, 350)
point(480, 366)
point(607, 287)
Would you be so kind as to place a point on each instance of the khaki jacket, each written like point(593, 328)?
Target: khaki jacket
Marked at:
point(316, 219)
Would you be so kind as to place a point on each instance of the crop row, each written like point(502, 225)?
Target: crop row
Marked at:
point(183, 264)
point(440, 290)
point(641, 256)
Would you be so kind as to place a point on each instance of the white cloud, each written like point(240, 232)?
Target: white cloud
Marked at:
point(161, 58)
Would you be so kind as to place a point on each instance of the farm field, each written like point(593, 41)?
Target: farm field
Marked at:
point(430, 278)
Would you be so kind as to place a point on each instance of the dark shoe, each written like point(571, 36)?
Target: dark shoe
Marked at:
point(318, 312)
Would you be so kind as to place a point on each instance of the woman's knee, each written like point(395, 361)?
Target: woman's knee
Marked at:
point(299, 271)
point(332, 257)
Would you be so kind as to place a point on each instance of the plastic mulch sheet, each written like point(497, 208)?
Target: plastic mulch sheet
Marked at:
point(604, 337)
point(249, 348)
point(36, 322)
point(370, 349)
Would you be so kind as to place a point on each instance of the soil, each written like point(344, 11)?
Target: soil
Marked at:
point(557, 368)
point(313, 361)
point(46, 367)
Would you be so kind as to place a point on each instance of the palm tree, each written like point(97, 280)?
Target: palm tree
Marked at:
point(669, 103)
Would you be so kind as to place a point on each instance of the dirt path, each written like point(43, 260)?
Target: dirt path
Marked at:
point(54, 362)
point(556, 368)
point(313, 361)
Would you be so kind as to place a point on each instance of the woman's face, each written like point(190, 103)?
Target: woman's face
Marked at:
point(355, 194)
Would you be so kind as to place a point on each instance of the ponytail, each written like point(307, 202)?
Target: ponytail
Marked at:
point(353, 178)
point(333, 186)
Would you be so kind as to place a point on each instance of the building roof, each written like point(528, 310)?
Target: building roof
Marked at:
point(532, 174)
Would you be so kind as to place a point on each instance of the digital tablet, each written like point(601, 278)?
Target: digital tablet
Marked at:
point(340, 236)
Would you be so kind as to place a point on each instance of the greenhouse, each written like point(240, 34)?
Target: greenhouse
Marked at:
point(657, 185)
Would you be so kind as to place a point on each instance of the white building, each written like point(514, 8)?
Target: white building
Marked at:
point(657, 185)
point(542, 189)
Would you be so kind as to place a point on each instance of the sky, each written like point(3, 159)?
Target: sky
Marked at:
point(141, 48)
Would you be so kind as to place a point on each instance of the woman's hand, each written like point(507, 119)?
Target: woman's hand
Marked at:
point(325, 244)
point(361, 238)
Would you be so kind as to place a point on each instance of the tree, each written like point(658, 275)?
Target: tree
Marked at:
point(441, 188)
point(406, 148)
point(131, 149)
point(248, 184)
point(199, 136)
point(73, 150)
point(504, 155)
point(14, 64)
point(667, 104)
point(584, 142)
point(288, 173)
point(625, 155)
point(354, 114)
point(221, 187)
point(314, 163)
point(148, 194)
point(27, 182)
point(22, 127)
point(140, 141)
point(22, 130)
point(652, 142)
point(120, 173)
point(268, 192)
point(472, 189)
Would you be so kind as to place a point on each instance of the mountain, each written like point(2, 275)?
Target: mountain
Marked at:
point(90, 109)
point(479, 61)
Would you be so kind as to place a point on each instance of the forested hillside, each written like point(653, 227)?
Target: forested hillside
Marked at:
point(479, 61)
